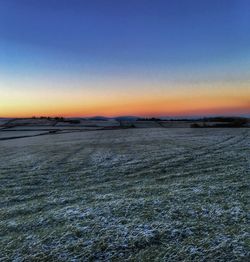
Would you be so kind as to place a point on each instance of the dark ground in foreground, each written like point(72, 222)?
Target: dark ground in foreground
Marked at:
point(150, 194)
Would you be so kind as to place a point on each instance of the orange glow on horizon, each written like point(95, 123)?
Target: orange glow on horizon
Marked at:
point(183, 100)
point(144, 107)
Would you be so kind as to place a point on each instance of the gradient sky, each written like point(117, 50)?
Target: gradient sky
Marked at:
point(124, 57)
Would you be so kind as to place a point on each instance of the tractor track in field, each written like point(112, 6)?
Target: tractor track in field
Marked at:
point(59, 164)
point(188, 157)
point(184, 156)
point(213, 149)
point(46, 167)
point(159, 163)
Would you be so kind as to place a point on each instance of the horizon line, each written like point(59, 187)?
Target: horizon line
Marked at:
point(132, 116)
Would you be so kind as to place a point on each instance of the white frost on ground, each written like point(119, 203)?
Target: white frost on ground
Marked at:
point(136, 194)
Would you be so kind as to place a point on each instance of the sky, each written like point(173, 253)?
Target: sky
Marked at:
point(124, 57)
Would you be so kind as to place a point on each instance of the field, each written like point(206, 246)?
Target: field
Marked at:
point(149, 194)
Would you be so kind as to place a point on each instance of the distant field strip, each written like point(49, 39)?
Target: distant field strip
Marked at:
point(153, 194)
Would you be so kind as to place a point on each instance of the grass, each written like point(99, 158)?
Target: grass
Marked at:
point(136, 194)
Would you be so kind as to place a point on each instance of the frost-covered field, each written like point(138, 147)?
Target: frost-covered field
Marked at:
point(152, 194)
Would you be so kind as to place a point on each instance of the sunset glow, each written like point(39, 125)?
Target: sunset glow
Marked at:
point(86, 63)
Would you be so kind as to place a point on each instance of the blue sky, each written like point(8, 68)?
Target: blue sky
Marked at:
point(130, 41)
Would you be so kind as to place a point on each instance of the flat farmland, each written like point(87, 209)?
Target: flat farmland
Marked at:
point(149, 194)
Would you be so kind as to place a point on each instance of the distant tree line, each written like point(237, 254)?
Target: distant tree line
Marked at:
point(148, 119)
point(222, 122)
point(58, 119)
point(224, 119)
